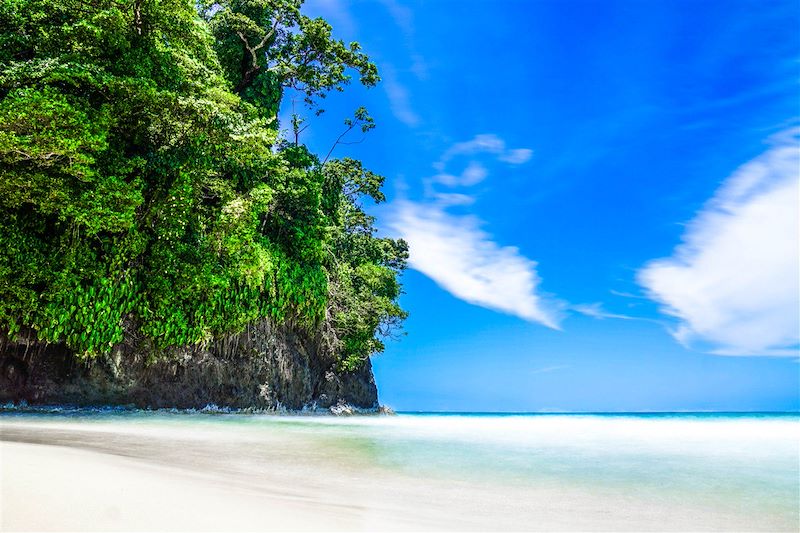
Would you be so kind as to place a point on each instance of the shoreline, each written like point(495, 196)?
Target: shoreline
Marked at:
point(347, 409)
point(149, 472)
point(340, 409)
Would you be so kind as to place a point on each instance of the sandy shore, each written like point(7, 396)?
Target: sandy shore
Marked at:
point(165, 476)
point(48, 488)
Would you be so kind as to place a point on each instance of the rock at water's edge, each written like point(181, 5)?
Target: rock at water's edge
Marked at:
point(264, 367)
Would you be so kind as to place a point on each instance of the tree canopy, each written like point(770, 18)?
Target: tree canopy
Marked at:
point(146, 189)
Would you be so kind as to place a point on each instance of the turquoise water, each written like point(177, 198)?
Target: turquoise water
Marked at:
point(709, 470)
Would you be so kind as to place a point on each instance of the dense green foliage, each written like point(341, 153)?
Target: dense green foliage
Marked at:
point(145, 189)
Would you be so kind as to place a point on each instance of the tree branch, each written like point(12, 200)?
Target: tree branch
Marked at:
point(338, 141)
point(249, 49)
point(253, 52)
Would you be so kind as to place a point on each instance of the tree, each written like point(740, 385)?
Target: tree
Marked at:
point(362, 268)
point(145, 188)
point(265, 46)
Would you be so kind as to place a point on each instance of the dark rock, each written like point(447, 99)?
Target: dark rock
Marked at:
point(264, 367)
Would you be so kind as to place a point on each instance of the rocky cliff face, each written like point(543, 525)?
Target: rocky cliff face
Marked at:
point(264, 367)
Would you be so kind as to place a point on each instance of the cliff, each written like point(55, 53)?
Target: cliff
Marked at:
point(264, 367)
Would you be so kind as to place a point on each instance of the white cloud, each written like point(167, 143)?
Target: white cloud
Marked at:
point(464, 260)
point(517, 156)
point(486, 143)
point(456, 253)
point(446, 199)
point(399, 101)
point(472, 175)
point(734, 281)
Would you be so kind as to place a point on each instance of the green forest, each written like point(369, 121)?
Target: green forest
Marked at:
point(146, 188)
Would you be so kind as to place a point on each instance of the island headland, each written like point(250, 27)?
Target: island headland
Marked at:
point(168, 240)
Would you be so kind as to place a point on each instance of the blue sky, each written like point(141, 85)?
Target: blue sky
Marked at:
point(601, 200)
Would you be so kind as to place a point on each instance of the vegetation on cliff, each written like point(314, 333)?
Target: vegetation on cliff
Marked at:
point(146, 190)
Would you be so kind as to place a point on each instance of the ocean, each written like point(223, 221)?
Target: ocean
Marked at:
point(666, 471)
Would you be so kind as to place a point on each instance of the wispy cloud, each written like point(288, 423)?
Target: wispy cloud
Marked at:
point(455, 251)
point(464, 260)
point(473, 174)
point(404, 19)
point(336, 11)
point(547, 369)
point(486, 143)
point(487, 147)
point(516, 156)
point(595, 310)
point(402, 15)
point(734, 281)
point(624, 294)
point(399, 100)
point(447, 199)
point(419, 67)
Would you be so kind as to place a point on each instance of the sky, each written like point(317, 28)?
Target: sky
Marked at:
point(601, 200)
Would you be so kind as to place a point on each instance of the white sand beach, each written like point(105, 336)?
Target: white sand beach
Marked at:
point(205, 476)
point(48, 488)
